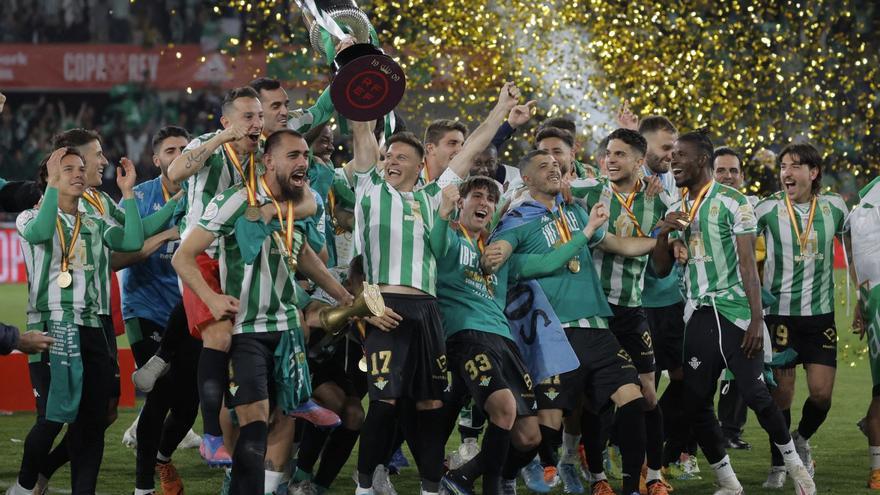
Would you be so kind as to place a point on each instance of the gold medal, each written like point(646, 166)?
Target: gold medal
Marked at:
point(683, 222)
point(253, 213)
point(291, 263)
point(574, 265)
point(64, 279)
point(362, 364)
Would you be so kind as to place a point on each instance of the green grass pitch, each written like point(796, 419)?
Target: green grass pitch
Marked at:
point(840, 450)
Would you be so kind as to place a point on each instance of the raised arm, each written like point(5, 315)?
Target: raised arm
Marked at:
point(191, 161)
point(131, 238)
point(482, 135)
point(365, 147)
point(440, 233)
point(41, 229)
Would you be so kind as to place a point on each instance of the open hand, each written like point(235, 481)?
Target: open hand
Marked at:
point(127, 178)
point(520, 114)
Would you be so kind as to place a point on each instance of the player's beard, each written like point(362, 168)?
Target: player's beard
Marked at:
point(288, 191)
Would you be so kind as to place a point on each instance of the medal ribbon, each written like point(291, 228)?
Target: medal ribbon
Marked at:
point(250, 183)
point(95, 200)
point(287, 227)
point(67, 249)
point(795, 223)
point(165, 193)
point(562, 226)
point(627, 205)
point(480, 248)
point(697, 202)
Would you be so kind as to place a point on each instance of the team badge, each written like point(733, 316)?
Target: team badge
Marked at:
point(380, 383)
point(484, 380)
point(695, 363)
point(233, 388)
point(551, 393)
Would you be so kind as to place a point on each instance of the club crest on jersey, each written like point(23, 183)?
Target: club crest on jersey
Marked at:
point(233, 388)
point(713, 211)
point(381, 382)
point(551, 393)
point(695, 363)
point(484, 380)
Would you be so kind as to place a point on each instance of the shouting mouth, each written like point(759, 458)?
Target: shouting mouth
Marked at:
point(298, 179)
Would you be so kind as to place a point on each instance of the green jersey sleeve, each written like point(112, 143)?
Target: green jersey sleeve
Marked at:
point(222, 212)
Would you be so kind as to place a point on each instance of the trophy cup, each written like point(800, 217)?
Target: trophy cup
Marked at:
point(368, 303)
point(367, 83)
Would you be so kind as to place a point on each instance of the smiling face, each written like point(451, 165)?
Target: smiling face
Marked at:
point(486, 163)
point(289, 162)
point(274, 103)
point(728, 171)
point(447, 147)
point(543, 175)
point(247, 112)
point(622, 161)
point(402, 166)
point(477, 209)
point(95, 162)
point(687, 164)
point(560, 150)
point(659, 155)
point(322, 146)
point(797, 177)
point(73, 176)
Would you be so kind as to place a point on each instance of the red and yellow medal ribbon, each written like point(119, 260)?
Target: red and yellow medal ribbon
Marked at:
point(286, 227)
point(626, 203)
point(95, 200)
point(695, 208)
point(250, 183)
point(67, 249)
point(562, 226)
point(795, 223)
point(480, 248)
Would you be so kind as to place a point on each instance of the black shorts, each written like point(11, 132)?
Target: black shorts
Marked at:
point(409, 361)
point(96, 356)
point(706, 355)
point(339, 364)
point(630, 327)
point(110, 334)
point(252, 368)
point(483, 363)
point(814, 338)
point(605, 367)
point(667, 334)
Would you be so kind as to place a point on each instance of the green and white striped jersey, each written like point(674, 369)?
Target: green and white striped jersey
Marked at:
point(393, 230)
point(265, 289)
point(109, 213)
point(801, 279)
point(712, 272)
point(217, 175)
point(89, 266)
point(622, 278)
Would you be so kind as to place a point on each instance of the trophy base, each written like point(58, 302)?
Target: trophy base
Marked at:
point(368, 84)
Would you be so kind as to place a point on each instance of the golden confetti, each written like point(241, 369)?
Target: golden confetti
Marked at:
point(758, 74)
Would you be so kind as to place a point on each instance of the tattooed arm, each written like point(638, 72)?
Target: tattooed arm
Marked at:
point(191, 161)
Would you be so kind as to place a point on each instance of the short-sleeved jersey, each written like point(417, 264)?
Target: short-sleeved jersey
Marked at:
point(801, 279)
point(622, 277)
point(864, 222)
point(393, 230)
point(265, 287)
point(462, 294)
point(577, 298)
point(216, 175)
point(89, 266)
point(149, 288)
point(712, 272)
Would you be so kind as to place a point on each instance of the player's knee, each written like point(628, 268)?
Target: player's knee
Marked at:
point(218, 336)
point(527, 438)
point(821, 398)
point(353, 416)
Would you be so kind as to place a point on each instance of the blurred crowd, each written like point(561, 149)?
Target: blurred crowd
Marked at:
point(149, 23)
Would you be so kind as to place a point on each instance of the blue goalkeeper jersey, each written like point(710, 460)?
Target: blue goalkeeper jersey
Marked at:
point(149, 288)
